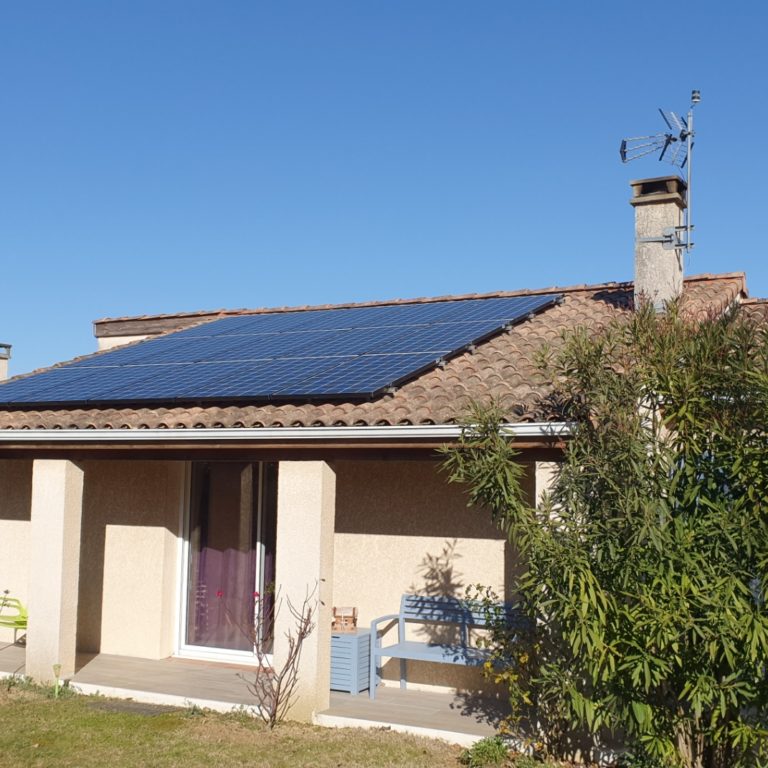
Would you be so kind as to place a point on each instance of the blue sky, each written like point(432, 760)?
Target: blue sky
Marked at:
point(160, 156)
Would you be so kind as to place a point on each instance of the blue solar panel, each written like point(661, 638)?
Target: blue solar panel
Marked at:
point(313, 354)
point(359, 376)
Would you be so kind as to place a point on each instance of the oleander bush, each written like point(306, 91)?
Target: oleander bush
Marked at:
point(646, 567)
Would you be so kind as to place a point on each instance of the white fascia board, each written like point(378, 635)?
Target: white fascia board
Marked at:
point(266, 434)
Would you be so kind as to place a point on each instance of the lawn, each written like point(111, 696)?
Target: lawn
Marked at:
point(37, 729)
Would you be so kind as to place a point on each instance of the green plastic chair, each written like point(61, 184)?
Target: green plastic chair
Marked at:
point(13, 615)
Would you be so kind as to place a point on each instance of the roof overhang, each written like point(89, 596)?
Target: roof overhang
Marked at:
point(537, 431)
point(534, 441)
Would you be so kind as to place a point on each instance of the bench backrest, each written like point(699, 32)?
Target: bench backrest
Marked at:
point(446, 610)
point(451, 611)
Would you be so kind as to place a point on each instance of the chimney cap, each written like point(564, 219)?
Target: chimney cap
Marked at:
point(5, 351)
point(660, 189)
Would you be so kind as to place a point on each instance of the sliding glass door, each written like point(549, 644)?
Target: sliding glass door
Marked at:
point(231, 555)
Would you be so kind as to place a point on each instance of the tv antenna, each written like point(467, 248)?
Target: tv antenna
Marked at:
point(674, 146)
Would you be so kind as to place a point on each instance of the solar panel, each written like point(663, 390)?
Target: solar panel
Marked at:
point(355, 352)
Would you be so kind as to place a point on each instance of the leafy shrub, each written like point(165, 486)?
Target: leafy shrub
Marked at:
point(489, 751)
point(638, 760)
point(526, 761)
point(646, 568)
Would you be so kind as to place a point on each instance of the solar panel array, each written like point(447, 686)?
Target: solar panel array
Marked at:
point(351, 353)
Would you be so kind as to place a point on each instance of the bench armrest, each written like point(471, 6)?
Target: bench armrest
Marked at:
point(376, 622)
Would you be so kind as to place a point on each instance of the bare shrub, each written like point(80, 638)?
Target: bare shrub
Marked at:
point(275, 688)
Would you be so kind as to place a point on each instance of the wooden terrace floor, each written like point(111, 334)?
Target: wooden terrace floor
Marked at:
point(460, 718)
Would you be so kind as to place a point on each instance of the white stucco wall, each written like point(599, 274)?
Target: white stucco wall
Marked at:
point(129, 564)
point(110, 342)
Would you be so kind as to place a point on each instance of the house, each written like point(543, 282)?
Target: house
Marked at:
point(142, 506)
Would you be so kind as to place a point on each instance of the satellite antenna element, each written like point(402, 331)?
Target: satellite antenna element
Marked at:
point(675, 146)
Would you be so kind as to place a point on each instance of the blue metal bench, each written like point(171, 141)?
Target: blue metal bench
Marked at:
point(448, 612)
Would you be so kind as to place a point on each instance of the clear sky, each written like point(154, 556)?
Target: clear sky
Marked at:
point(163, 156)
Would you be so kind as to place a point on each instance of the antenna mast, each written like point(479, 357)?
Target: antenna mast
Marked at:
point(695, 99)
point(676, 147)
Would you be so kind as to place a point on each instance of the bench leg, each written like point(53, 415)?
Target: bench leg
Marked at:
point(372, 680)
point(403, 673)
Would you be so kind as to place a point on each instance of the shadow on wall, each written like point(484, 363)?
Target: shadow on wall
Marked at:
point(15, 490)
point(440, 578)
point(438, 573)
point(476, 697)
point(405, 498)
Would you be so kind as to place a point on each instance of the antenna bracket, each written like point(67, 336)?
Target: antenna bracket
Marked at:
point(670, 238)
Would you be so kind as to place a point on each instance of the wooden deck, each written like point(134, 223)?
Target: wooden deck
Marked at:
point(180, 682)
point(11, 659)
point(172, 681)
point(460, 718)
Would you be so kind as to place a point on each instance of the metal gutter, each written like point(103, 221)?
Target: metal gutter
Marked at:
point(543, 430)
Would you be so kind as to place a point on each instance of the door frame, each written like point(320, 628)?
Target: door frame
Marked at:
point(206, 653)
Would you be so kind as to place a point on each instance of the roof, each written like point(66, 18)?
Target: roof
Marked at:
point(756, 309)
point(327, 354)
point(155, 324)
point(503, 368)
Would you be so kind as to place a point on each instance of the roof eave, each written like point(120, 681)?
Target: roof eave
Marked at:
point(415, 432)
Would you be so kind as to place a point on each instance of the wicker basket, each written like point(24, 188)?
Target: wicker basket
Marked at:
point(344, 619)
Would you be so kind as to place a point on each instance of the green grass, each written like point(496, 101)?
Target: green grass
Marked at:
point(86, 732)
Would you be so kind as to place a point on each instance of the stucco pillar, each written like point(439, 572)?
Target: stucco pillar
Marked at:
point(546, 475)
point(54, 566)
point(306, 511)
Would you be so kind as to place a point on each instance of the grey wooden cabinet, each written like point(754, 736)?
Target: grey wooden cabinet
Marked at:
point(350, 660)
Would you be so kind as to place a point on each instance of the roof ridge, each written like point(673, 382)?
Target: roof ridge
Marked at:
point(577, 288)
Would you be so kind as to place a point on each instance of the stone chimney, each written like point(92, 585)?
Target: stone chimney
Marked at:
point(5, 356)
point(659, 213)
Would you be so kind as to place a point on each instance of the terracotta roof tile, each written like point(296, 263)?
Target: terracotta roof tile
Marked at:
point(756, 309)
point(503, 368)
